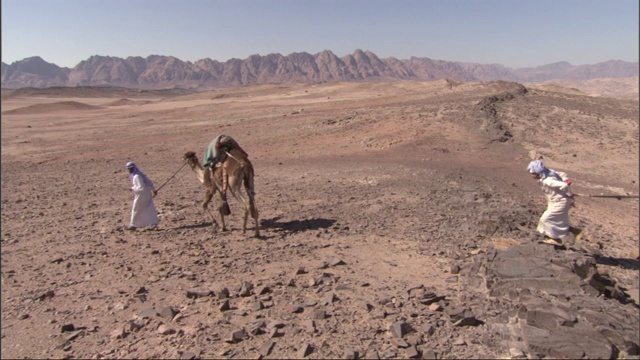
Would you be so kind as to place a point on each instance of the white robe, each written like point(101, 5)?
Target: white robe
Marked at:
point(554, 222)
point(143, 212)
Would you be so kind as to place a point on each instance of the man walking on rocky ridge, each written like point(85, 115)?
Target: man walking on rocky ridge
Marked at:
point(554, 222)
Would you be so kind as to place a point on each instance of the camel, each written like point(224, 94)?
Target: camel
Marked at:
point(239, 170)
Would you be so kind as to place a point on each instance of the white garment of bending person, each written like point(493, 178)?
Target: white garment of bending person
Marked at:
point(143, 211)
point(554, 222)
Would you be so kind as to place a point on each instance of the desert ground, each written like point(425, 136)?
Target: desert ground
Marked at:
point(397, 221)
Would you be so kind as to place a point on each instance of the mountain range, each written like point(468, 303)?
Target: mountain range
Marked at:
point(168, 72)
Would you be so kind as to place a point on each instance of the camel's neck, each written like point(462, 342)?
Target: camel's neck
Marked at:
point(198, 169)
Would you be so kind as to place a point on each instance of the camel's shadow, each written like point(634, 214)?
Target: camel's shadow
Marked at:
point(194, 226)
point(295, 226)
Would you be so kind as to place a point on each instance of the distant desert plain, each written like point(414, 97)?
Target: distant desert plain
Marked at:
point(397, 220)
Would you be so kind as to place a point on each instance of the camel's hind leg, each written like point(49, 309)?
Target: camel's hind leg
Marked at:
point(254, 214)
point(250, 206)
point(247, 201)
point(250, 209)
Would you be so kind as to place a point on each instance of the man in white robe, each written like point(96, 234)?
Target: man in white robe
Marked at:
point(143, 211)
point(554, 222)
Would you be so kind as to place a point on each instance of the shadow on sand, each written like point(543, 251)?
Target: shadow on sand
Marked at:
point(194, 226)
point(297, 225)
point(625, 263)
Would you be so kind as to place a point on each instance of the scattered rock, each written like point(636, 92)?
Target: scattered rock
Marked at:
point(237, 336)
point(293, 309)
point(399, 329)
point(167, 312)
point(148, 313)
point(329, 299)
point(198, 293)
point(165, 330)
point(304, 351)
point(318, 314)
point(412, 352)
point(429, 353)
point(309, 326)
point(350, 354)
point(265, 349)
point(246, 289)
point(225, 305)
point(46, 295)
point(222, 293)
point(119, 333)
point(187, 355)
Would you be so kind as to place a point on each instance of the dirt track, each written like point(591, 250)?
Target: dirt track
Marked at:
point(366, 193)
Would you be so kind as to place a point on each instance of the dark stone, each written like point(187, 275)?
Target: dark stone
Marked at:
point(257, 328)
point(329, 299)
point(237, 336)
point(428, 329)
point(265, 349)
point(46, 295)
point(293, 309)
point(304, 350)
point(631, 348)
point(399, 329)
point(197, 293)
point(223, 293)
point(67, 328)
point(350, 354)
point(167, 312)
point(148, 313)
point(187, 355)
point(399, 343)
point(429, 354)
point(455, 269)
point(411, 352)
point(429, 299)
point(318, 314)
point(460, 313)
point(584, 267)
point(246, 289)
point(225, 305)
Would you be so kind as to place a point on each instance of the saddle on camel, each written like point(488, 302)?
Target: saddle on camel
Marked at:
point(216, 155)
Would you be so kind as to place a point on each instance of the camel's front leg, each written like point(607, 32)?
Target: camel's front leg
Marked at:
point(223, 209)
point(207, 199)
point(205, 203)
point(214, 223)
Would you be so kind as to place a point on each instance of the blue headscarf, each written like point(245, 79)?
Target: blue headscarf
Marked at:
point(537, 167)
point(136, 171)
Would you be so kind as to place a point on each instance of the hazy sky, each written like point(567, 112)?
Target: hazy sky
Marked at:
point(515, 33)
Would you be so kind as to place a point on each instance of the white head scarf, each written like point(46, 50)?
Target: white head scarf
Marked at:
point(136, 171)
point(537, 167)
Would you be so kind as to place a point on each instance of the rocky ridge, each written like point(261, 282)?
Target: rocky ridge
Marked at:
point(163, 72)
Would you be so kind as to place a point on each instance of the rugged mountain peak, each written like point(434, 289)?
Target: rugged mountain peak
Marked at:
point(159, 71)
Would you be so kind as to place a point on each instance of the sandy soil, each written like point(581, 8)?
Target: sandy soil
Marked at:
point(365, 192)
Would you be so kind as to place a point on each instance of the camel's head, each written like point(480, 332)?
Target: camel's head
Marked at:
point(190, 157)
